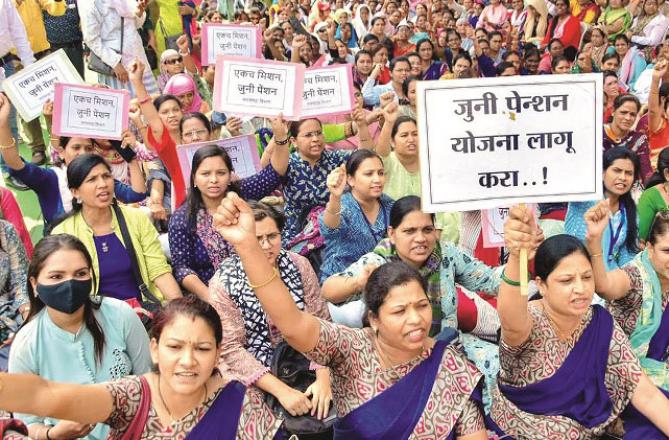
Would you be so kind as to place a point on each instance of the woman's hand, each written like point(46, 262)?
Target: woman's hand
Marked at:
point(390, 113)
point(158, 211)
point(279, 128)
point(47, 110)
point(336, 181)
point(293, 401)
point(136, 71)
point(121, 73)
point(5, 108)
point(182, 44)
point(376, 71)
point(234, 125)
point(660, 70)
point(321, 394)
point(358, 116)
point(298, 42)
point(66, 430)
point(520, 231)
point(597, 220)
point(386, 98)
point(128, 139)
point(361, 279)
point(234, 220)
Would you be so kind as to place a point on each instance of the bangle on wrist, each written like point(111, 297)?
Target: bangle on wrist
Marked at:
point(509, 281)
point(283, 142)
point(10, 146)
point(144, 100)
point(47, 432)
point(184, 54)
point(275, 273)
point(596, 255)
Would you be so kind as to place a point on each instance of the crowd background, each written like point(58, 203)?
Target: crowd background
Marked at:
point(312, 248)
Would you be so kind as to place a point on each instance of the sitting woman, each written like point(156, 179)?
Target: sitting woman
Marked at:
point(637, 296)
point(567, 369)
point(354, 221)
point(50, 184)
point(621, 133)
point(615, 19)
point(184, 88)
point(185, 396)
point(249, 338)
point(621, 170)
point(632, 61)
point(89, 341)
point(115, 236)
point(655, 197)
point(658, 114)
point(14, 301)
point(195, 247)
point(389, 381)
point(432, 68)
point(566, 27)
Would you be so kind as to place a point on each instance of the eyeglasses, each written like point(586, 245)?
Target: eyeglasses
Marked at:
point(191, 134)
point(174, 60)
point(269, 238)
point(317, 133)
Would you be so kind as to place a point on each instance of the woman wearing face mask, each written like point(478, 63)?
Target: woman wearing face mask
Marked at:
point(185, 396)
point(50, 184)
point(620, 132)
point(365, 361)
point(89, 341)
point(353, 222)
point(196, 248)
point(567, 369)
point(621, 170)
point(637, 299)
point(95, 221)
point(249, 338)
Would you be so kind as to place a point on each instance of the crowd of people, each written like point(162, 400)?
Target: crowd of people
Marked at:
point(315, 297)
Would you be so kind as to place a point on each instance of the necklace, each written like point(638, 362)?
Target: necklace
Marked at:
point(569, 339)
point(384, 359)
point(162, 399)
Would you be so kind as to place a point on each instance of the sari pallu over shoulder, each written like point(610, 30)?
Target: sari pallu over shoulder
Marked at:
point(650, 338)
point(574, 390)
point(394, 414)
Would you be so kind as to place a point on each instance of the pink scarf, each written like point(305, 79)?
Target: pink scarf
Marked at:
point(183, 83)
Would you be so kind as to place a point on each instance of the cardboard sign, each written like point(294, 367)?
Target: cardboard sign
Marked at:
point(259, 88)
point(90, 112)
point(242, 150)
point(489, 142)
point(31, 87)
point(328, 91)
point(230, 39)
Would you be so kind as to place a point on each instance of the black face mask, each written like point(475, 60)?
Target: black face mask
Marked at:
point(66, 297)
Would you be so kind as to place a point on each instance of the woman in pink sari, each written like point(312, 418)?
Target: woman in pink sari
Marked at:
point(183, 87)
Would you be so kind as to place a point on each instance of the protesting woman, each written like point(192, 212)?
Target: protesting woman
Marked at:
point(637, 296)
point(621, 170)
point(620, 132)
point(536, 22)
point(633, 61)
point(656, 196)
point(196, 248)
point(249, 337)
point(566, 27)
point(390, 380)
point(615, 19)
point(50, 184)
point(70, 337)
point(432, 68)
point(186, 396)
point(611, 92)
point(658, 117)
point(567, 369)
point(97, 221)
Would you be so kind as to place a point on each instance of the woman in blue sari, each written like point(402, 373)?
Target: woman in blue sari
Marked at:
point(637, 295)
point(567, 369)
point(389, 380)
point(432, 67)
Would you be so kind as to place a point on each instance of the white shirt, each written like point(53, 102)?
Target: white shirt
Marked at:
point(653, 32)
point(13, 33)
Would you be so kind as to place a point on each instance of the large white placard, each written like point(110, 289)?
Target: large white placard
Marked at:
point(489, 142)
point(31, 87)
point(328, 91)
point(245, 86)
point(230, 39)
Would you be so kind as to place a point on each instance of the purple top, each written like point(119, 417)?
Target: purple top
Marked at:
point(116, 278)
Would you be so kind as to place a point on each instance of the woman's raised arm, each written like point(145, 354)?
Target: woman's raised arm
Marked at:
point(234, 221)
